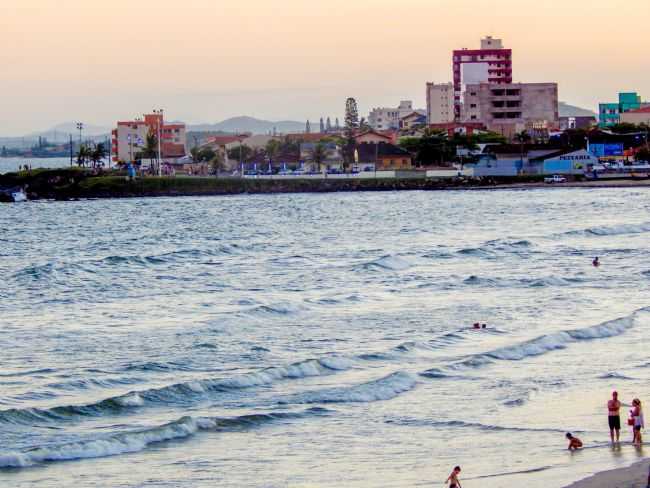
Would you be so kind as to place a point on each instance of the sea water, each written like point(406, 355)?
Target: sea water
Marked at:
point(321, 340)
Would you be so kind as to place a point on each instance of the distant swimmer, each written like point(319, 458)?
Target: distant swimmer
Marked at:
point(484, 326)
point(477, 325)
point(614, 416)
point(596, 262)
point(574, 442)
point(453, 480)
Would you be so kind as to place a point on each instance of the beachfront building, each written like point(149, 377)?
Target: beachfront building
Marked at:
point(332, 160)
point(382, 156)
point(412, 121)
point(440, 103)
point(383, 118)
point(492, 64)
point(610, 113)
point(373, 136)
point(129, 138)
point(637, 117)
point(513, 107)
point(577, 122)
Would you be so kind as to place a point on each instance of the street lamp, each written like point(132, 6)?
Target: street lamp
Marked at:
point(80, 127)
point(158, 125)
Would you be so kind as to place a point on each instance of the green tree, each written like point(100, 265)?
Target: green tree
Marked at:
point(242, 152)
point(97, 154)
point(83, 155)
point(217, 163)
point(433, 147)
point(318, 154)
point(623, 128)
point(272, 149)
point(643, 154)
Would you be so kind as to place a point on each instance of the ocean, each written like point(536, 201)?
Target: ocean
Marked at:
point(9, 165)
point(321, 340)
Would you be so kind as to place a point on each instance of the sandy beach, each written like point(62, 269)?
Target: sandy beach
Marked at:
point(635, 476)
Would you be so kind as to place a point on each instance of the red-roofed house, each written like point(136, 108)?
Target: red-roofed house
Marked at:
point(636, 117)
point(375, 137)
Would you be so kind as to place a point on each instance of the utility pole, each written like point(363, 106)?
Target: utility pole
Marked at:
point(80, 127)
point(159, 124)
point(70, 149)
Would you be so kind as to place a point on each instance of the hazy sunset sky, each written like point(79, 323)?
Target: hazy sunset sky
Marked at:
point(206, 60)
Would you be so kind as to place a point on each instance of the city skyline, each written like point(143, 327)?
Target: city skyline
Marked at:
point(291, 60)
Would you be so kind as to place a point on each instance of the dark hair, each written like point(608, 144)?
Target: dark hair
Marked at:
point(569, 435)
point(457, 468)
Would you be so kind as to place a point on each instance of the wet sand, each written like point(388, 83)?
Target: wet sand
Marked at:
point(635, 476)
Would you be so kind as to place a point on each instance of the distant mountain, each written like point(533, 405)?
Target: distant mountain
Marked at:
point(249, 124)
point(66, 128)
point(567, 110)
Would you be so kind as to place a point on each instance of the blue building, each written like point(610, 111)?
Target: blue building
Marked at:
point(610, 113)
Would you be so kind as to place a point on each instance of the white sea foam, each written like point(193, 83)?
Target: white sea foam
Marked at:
point(381, 389)
point(551, 342)
point(130, 400)
point(136, 441)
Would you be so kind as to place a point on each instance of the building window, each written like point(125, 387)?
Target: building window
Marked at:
point(472, 105)
point(473, 117)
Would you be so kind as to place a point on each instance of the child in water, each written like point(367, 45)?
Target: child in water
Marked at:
point(574, 442)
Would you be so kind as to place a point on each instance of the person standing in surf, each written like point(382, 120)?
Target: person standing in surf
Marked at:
point(614, 417)
point(453, 480)
point(636, 418)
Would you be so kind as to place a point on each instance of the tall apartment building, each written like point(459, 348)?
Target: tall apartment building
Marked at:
point(383, 118)
point(512, 107)
point(490, 64)
point(440, 103)
point(129, 138)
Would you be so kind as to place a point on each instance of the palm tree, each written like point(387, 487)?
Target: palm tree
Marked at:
point(150, 149)
point(83, 155)
point(318, 155)
point(522, 137)
point(97, 154)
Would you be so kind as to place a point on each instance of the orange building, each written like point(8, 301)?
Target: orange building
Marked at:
point(130, 137)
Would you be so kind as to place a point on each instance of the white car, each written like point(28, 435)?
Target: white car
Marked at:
point(555, 179)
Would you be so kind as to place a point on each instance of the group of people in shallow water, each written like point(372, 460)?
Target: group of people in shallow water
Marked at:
point(614, 405)
point(635, 421)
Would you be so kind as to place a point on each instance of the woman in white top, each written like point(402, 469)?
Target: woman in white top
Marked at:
point(637, 417)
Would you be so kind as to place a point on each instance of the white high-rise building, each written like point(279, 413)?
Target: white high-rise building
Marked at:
point(440, 103)
point(383, 118)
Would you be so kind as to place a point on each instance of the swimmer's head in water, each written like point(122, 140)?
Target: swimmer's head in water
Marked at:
point(569, 435)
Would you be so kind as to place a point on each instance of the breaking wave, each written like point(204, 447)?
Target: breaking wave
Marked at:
point(551, 342)
point(384, 388)
point(613, 230)
point(176, 393)
point(136, 441)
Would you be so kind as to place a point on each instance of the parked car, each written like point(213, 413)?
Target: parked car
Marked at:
point(555, 179)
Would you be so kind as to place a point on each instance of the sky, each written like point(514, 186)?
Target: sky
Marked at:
point(206, 60)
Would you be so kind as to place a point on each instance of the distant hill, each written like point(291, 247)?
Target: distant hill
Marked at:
point(66, 128)
point(567, 110)
point(249, 124)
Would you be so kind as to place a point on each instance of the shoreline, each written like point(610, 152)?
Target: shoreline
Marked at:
point(634, 476)
point(75, 184)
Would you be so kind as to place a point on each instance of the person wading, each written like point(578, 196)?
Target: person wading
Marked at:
point(614, 417)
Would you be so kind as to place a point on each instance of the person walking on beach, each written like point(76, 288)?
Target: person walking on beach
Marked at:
point(453, 480)
point(614, 417)
point(636, 417)
point(574, 442)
